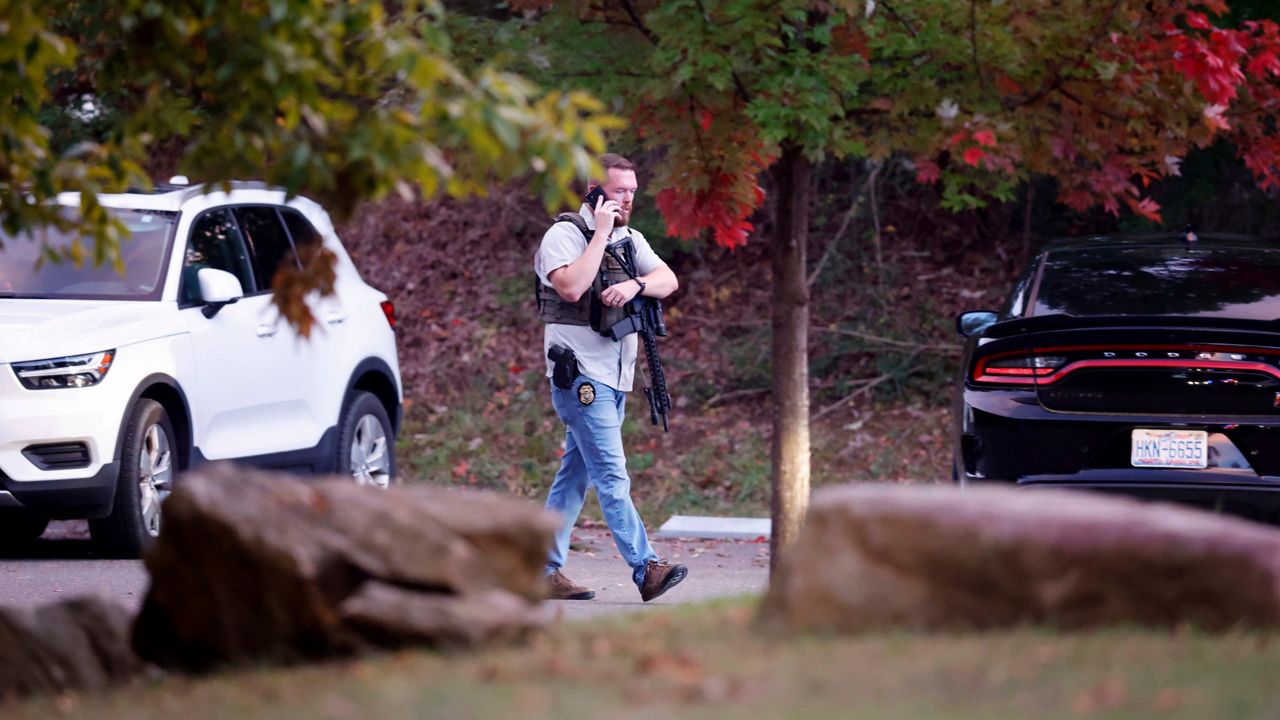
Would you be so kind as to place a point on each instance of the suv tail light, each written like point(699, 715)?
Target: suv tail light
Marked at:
point(389, 309)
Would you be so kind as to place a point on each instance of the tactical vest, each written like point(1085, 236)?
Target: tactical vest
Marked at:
point(589, 310)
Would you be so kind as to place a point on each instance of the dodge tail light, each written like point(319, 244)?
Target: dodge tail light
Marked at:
point(1022, 368)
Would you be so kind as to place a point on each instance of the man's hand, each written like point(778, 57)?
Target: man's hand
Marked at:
point(606, 214)
point(620, 294)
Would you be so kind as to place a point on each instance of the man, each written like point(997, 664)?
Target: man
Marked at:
point(580, 284)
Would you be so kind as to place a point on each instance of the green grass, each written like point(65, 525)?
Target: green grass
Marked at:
point(710, 661)
point(500, 433)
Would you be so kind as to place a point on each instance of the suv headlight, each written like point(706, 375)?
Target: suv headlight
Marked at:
point(64, 372)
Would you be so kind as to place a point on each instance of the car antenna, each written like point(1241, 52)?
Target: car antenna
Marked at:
point(1189, 235)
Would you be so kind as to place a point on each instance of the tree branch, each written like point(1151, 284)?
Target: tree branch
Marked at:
point(844, 225)
point(875, 220)
point(619, 73)
point(865, 386)
point(734, 395)
point(1104, 113)
point(638, 23)
point(1059, 79)
point(905, 344)
point(894, 14)
point(973, 45)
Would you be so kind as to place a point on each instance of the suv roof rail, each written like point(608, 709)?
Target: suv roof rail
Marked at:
point(162, 188)
point(201, 188)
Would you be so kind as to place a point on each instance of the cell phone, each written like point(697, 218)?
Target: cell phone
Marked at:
point(596, 194)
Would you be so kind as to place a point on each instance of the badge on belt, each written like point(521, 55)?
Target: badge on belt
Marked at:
point(586, 393)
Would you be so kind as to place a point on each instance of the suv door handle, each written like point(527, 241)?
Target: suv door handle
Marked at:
point(266, 330)
point(335, 317)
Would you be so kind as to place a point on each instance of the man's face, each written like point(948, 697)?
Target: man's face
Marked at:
point(620, 186)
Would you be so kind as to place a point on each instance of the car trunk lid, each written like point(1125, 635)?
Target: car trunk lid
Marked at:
point(1197, 366)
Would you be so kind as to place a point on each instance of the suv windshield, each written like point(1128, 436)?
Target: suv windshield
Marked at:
point(1208, 281)
point(144, 251)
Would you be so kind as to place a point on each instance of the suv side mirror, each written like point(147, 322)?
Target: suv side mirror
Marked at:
point(217, 288)
point(973, 322)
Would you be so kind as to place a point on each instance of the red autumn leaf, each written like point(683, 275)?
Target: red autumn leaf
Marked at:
point(985, 137)
point(1146, 207)
point(461, 468)
point(849, 39)
point(1008, 85)
point(974, 155)
point(1198, 21)
point(958, 138)
point(704, 120)
point(1266, 61)
point(927, 171)
point(733, 234)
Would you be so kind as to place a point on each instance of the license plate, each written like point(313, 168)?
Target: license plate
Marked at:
point(1170, 448)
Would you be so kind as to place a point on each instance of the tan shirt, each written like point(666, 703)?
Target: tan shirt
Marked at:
point(599, 358)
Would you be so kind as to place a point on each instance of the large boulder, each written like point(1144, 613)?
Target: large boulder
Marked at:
point(78, 644)
point(254, 566)
point(919, 557)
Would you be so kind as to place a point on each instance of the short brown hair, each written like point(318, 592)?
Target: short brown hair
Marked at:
point(611, 161)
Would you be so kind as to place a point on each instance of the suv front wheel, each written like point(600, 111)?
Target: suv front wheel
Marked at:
point(366, 449)
point(146, 479)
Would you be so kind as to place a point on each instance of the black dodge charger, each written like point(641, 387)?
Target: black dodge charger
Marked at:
point(1143, 365)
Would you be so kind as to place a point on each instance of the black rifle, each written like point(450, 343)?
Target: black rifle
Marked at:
point(644, 316)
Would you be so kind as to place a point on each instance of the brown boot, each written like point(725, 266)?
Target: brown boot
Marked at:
point(659, 577)
point(562, 588)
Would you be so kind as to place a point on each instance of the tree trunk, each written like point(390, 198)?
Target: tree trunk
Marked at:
point(790, 477)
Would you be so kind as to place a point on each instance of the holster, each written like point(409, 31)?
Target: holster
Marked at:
point(565, 366)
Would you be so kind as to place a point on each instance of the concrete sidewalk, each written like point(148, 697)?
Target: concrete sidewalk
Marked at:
point(717, 568)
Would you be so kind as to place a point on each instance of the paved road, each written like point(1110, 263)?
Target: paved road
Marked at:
point(717, 568)
point(62, 565)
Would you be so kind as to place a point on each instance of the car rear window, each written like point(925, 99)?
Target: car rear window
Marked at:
point(1211, 281)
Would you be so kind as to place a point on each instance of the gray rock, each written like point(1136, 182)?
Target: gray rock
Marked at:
point(394, 616)
point(920, 557)
point(80, 644)
point(254, 566)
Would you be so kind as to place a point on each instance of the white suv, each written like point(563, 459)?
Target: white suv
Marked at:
point(113, 383)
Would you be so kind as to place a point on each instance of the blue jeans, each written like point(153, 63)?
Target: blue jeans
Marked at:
point(593, 457)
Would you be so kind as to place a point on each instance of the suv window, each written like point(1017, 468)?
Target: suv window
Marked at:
point(303, 232)
point(215, 243)
point(267, 240)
